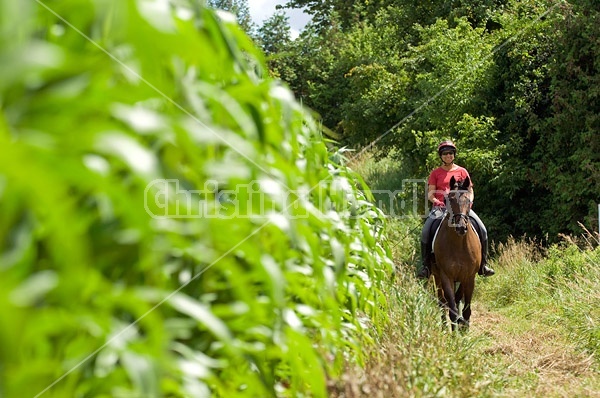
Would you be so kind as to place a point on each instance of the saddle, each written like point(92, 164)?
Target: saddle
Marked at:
point(435, 227)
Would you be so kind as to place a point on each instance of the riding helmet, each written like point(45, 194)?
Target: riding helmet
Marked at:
point(446, 146)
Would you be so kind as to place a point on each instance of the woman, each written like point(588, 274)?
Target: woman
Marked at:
point(439, 186)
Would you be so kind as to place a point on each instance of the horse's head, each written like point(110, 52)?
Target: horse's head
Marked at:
point(459, 205)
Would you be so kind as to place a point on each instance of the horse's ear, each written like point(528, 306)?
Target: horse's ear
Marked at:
point(466, 183)
point(452, 182)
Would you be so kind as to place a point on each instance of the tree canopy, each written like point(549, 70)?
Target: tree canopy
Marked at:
point(513, 82)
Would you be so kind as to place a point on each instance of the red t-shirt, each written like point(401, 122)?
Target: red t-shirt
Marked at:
point(441, 179)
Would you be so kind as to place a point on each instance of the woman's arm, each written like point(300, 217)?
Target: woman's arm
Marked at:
point(431, 191)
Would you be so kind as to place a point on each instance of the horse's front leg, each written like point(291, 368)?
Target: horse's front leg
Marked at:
point(448, 288)
point(443, 304)
point(468, 295)
point(458, 296)
point(459, 293)
point(442, 301)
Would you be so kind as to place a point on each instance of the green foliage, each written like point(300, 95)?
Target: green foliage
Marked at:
point(377, 83)
point(564, 263)
point(480, 147)
point(171, 223)
point(514, 83)
point(447, 70)
point(577, 296)
point(399, 196)
point(345, 12)
point(318, 78)
point(569, 135)
point(275, 38)
point(452, 62)
point(349, 13)
point(275, 34)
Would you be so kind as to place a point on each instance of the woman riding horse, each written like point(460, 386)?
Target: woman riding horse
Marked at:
point(438, 188)
point(458, 256)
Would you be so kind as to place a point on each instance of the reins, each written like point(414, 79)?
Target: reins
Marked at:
point(455, 218)
point(459, 215)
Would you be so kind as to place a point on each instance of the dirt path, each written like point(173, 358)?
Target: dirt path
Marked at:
point(535, 355)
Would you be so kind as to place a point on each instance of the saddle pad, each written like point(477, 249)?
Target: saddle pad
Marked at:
point(435, 235)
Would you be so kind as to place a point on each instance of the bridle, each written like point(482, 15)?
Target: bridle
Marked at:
point(455, 217)
point(459, 216)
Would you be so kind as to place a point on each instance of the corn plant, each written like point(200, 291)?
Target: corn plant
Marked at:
point(171, 223)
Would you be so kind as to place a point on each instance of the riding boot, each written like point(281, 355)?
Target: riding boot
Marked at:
point(425, 270)
point(484, 270)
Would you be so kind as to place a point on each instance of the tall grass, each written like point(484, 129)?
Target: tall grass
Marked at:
point(396, 191)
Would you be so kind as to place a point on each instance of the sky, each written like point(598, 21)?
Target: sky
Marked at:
point(263, 9)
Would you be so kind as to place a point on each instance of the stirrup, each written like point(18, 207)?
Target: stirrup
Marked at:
point(424, 273)
point(486, 271)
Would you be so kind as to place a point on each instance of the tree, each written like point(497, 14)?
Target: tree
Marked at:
point(514, 82)
point(346, 13)
point(566, 159)
point(274, 36)
point(351, 12)
point(240, 9)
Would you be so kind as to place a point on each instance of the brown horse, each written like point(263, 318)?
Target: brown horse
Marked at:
point(457, 255)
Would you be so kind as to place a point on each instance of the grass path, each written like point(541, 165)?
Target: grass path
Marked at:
point(509, 356)
point(539, 361)
point(535, 332)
